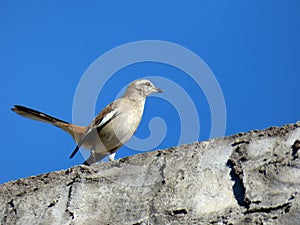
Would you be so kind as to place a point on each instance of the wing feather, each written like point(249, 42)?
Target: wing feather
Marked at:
point(101, 120)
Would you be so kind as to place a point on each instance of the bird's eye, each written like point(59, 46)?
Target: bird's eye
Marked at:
point(148, 83)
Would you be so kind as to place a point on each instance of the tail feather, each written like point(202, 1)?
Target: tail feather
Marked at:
point(39, 116)
point(36, 115)
point(75, 131)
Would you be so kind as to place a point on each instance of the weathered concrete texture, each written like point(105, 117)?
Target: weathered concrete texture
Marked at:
point(248, 178)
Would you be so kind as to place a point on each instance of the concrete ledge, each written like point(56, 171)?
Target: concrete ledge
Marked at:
point(247, 178)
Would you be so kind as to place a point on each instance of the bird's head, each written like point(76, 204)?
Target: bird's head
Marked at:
point(142, 87)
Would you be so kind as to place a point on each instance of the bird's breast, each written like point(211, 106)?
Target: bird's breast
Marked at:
point(121, 128)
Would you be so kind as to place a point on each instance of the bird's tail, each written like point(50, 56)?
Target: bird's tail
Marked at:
point(39, 116)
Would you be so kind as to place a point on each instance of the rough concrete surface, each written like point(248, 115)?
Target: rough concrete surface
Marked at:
point(247, 178)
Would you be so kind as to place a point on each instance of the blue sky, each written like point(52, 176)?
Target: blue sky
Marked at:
point(252, 48)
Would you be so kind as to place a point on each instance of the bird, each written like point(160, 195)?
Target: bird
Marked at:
point(110, 129)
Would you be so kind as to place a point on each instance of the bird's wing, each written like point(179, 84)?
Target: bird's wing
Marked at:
point(101, 120)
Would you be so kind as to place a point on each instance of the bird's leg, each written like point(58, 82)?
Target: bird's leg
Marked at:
point(93, 154)
point(112, 157)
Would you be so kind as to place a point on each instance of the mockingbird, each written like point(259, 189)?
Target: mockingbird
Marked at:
point(110, 129)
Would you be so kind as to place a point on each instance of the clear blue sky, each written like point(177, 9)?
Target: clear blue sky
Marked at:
point(252, 47)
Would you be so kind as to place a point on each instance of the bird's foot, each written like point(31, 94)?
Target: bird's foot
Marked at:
point(112, 157)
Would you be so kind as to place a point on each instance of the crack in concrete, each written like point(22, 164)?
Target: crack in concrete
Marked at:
point(71, 214)
point(235, 164)
point(162, 172)
point(69, 197)
point(239, 190)
point(151, 209)
point(178, 212)
point(141, 221)
point(53, 203)
point(286, 206)
point(295, 147)
point(12, 205)
point(238, 142)
point(9, 208)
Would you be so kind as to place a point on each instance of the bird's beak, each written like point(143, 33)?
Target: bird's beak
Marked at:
point(158, 90)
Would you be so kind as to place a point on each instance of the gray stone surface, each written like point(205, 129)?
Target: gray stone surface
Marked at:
point(247, 178)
